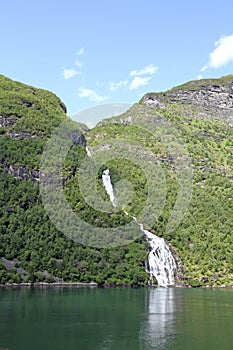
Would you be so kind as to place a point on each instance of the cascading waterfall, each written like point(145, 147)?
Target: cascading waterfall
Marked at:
point(88, 152)
point(108, 185)
point(161, 262)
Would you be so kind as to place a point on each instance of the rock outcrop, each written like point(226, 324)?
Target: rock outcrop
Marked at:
point(208, 97)
point(19, 172)
point(77, 138)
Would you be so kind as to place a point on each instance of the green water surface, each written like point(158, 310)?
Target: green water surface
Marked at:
point(105, 319)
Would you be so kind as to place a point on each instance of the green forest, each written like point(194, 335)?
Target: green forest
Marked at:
point(33, 250)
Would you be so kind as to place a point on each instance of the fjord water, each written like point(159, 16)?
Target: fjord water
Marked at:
point(115, 318)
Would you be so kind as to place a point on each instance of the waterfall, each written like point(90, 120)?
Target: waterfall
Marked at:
point(108, 185)
point(88, 152)
point(162, 265)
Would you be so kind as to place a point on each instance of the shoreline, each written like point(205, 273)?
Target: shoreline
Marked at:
point(45, 284)
point(107, 285)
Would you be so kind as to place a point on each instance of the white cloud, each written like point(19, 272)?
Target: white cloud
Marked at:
point(138, 78)
point(222, 55)
point(81, 51)
point(91, 95)
point(150, 69)
point(138, 82)
point(199, 77)
point(78, 64)
point(69, 73)
point(113, 86)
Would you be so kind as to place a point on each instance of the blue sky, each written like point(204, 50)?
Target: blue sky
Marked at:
point(91, 53)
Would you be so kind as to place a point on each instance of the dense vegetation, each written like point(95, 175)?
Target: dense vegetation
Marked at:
point(33, 250)
point(203, 240)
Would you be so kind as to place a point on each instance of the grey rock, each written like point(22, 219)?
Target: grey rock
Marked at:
point(6, 121)
point(19, 172)
point(14, 135)
point(153, 100)
point(210, 101)
point(77, 138)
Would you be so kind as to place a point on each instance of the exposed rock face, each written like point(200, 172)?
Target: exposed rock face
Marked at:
point(20, 173)
point(77, 138)
point(20, 135)
point(126, 120)
point(216, 97)
point(153, 100)
point(216, 100)
point(6, 121)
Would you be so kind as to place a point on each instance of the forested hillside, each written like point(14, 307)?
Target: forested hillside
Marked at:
point(33, 250)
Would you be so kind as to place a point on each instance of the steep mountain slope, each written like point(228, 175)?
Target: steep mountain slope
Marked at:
point(199, 114)
point(202, 114)
point(31, 248)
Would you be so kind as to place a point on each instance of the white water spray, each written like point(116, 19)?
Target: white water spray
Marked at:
point(88, 152)
point(162, 265)
point(108, 185)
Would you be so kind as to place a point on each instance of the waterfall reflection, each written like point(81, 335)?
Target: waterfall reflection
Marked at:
point(157, 331)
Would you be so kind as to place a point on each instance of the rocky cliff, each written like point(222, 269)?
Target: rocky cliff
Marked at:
point(208, 99)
